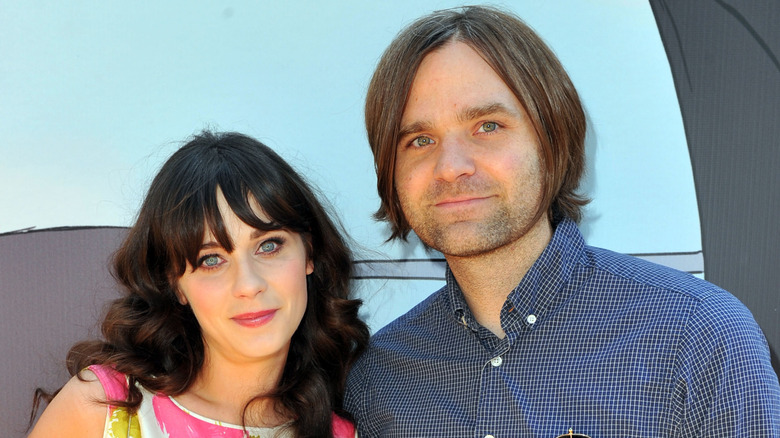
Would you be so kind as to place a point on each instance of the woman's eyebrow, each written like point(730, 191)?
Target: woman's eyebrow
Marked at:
point(210, 245)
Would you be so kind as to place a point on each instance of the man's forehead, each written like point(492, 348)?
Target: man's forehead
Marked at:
point(456, 77)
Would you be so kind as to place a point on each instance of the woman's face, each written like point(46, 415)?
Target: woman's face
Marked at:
point(248, 302)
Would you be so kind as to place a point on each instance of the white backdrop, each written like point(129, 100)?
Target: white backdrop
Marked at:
point(94, 96)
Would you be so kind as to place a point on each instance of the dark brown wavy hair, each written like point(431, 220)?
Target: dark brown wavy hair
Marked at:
point(527, 66)
point(156, 341)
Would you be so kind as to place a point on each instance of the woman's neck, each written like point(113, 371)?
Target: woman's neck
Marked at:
point(223, 389)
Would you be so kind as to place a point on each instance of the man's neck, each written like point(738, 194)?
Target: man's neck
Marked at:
point(487, 279)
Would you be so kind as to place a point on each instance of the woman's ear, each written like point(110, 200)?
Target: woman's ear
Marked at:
point(309, 266)
point(309, 251)
point(180, 297)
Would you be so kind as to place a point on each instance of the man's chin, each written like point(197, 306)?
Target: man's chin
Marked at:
point(460, 240)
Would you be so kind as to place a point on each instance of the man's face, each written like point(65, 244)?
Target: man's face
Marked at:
point(468, 173)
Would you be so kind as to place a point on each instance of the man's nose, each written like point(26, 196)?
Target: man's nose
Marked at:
point(455, 159)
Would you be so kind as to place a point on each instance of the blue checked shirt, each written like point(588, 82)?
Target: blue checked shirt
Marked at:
point(603, 343)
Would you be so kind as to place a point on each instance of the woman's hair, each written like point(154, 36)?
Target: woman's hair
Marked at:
point(527, 66)
point(156, 341)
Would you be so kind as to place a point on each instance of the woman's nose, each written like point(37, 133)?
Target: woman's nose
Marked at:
point(249, 279)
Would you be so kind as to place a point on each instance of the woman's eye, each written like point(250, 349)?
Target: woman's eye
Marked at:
point(422, 141)
point(488, 127)
point(269, 246)
point(209, 261)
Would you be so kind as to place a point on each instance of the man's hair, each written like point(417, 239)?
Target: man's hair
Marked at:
point(527, 66)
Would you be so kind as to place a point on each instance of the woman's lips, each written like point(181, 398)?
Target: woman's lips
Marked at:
point(255, 319)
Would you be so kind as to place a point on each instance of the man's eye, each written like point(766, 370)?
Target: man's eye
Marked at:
point(488, 127)
point(422, 141)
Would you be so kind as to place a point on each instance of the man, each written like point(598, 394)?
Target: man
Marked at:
point(478, 140)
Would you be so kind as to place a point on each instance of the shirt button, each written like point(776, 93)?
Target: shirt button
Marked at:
point(531, 319)
point(496, 361)
point(489, 436)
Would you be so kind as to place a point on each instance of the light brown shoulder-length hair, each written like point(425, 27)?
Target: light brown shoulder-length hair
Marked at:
point(528, 67)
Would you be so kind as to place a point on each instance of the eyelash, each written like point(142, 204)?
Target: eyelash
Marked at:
point(412, 145)
point(278, 241)
point(482, 126)
point(206, 257)
point(481, 130)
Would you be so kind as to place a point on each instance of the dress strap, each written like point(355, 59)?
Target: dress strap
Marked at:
point(342, 428)
point(114, 383)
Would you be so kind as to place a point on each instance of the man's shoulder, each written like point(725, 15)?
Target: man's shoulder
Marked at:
point(424, 316)
point(415, 332)
point(653, 285)
point(626, 274)
point(617, 267)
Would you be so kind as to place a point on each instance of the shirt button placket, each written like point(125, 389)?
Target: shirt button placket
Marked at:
point(490, 384)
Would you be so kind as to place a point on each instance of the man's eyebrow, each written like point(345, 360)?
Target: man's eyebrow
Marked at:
point(465, 115)
point(414, 127)
point(476, 112)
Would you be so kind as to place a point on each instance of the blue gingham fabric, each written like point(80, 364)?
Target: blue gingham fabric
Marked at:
point(602, 343)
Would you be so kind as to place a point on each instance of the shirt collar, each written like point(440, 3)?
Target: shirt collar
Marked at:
point(541, 288)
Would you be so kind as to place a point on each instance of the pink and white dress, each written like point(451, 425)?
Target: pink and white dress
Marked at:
point(160, 416)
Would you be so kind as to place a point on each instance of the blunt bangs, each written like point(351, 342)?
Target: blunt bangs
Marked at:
point(246, 172)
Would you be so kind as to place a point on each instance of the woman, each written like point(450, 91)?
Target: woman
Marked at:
point(236, 319)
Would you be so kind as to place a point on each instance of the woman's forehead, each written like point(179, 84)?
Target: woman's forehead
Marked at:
point(226, 210)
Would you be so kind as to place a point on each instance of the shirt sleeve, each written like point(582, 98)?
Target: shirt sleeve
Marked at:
point(355, 392)
point(725, 373)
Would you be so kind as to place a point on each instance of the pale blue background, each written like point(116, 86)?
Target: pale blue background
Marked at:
point(95, 95)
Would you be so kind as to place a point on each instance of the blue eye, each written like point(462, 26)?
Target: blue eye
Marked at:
point(209, 261)
point(268, 246)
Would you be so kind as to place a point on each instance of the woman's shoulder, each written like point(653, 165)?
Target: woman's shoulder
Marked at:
point(76, 411)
